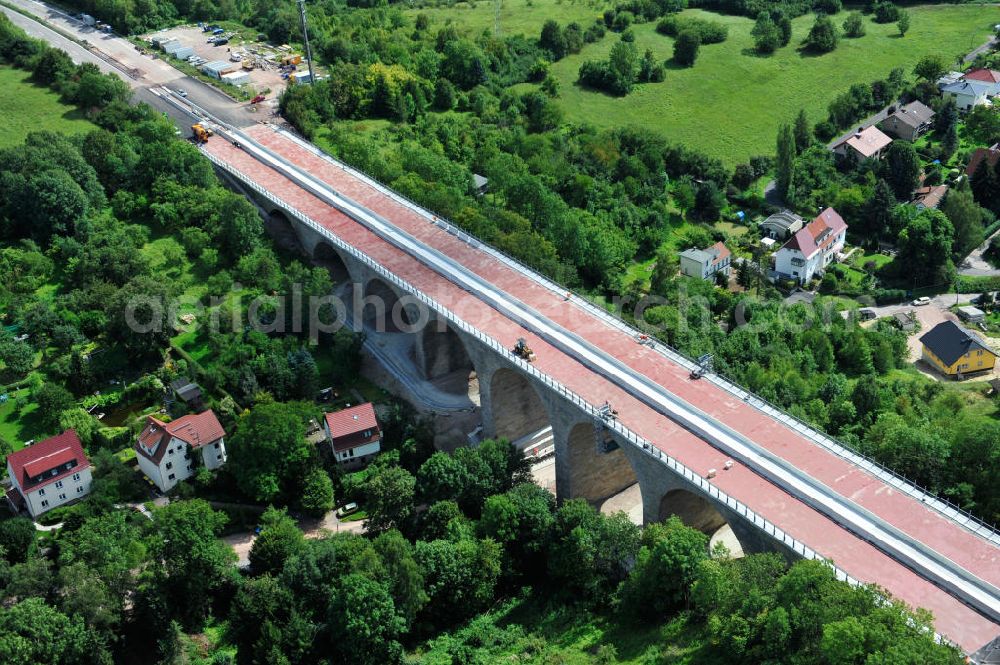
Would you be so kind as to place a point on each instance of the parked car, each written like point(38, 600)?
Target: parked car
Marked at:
point(348, 509)
point(922, 300)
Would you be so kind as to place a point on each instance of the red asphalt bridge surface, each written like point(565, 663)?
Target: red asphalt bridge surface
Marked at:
point(953, 619)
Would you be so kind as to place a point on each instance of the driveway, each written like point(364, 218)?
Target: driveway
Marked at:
point(975, 265)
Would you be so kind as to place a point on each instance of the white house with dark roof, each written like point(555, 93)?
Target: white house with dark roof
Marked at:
point(970, 93)
point(354, 434)
point(705, 263)
point(166, 450)
point(48, 474)
point(812, 248)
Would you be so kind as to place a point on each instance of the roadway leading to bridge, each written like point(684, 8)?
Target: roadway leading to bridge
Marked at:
point(862, 560)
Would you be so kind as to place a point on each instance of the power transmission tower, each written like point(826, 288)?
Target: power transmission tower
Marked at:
point(305, 41)
point(497, 4)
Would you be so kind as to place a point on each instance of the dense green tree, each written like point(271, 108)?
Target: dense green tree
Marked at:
point(925, 248)
point(553, 40)
point(785, 160)
point(666, 566)
point(460, 577)
point(686, 47)
point(967, 220)
point(316, 497)
point(901, 169)
point(590, 553)
point(17, 539)
point(404, 577)
point(193, 562)
point(279, 538)
point(363, 624)
point(802, 131)
point(33, 632)
point(878, 213)
point(903, 22)
point(766, 34)
point(822, 36)
point(854, 25)
point(389, 496)
point(268, 454)
point(930, 67)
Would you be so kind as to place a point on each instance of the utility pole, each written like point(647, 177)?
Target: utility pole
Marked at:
point(305, 41)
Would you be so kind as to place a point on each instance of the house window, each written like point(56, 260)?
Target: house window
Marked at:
point(41, 492)
point(76, 477)
point(58, 484)
point(62, 497)
point(171, 477)
point(170, 465)
point(979, 352)
point(45, 504)
point(189, 468)
point(218, 457)
point(351, 452)
point(79, 490)
point(216, 446)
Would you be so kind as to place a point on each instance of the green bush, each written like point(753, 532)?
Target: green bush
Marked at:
point(710, 32)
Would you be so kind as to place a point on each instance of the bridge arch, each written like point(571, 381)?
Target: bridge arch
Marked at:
point(598, 467)
point(383, 310)
point(325, 256)
point(280, 227)
point(443, 357)
point(518, 412)
point(699, 512)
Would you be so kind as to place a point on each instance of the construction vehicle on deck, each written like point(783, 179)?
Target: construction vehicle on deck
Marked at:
point(291, 59)
point(201, 133)
point(523, 351)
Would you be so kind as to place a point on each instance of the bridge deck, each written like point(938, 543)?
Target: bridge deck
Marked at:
point(860, 559)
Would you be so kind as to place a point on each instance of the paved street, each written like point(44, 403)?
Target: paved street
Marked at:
point(152, 73)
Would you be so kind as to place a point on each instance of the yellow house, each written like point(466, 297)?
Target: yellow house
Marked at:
point(955, 351)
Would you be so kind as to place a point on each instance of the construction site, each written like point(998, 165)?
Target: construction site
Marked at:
point(226, 56)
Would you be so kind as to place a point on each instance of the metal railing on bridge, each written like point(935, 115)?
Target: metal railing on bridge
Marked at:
point(903, 484)
point(582, 404)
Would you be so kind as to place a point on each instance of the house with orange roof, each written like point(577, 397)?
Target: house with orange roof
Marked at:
point(807, 253)
point(169, 452)
point(354, 434)
point(48, 474)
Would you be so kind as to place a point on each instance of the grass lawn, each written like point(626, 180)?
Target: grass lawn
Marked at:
point(859, 258)
point(16, 427)
point(516, 16)
point(731, 102)
point(26, 107)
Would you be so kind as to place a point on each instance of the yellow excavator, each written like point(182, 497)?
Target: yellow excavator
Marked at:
point(201, 133)
point(523, 351)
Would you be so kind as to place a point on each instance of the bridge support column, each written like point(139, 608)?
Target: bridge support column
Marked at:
point(666, 493)
point(589, 462)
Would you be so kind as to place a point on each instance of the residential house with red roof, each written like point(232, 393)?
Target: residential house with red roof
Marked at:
point(991, 155)
point(48, 474)
point(354, 434)
point(812, 248)
point(168, 452)
point(705, 263)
